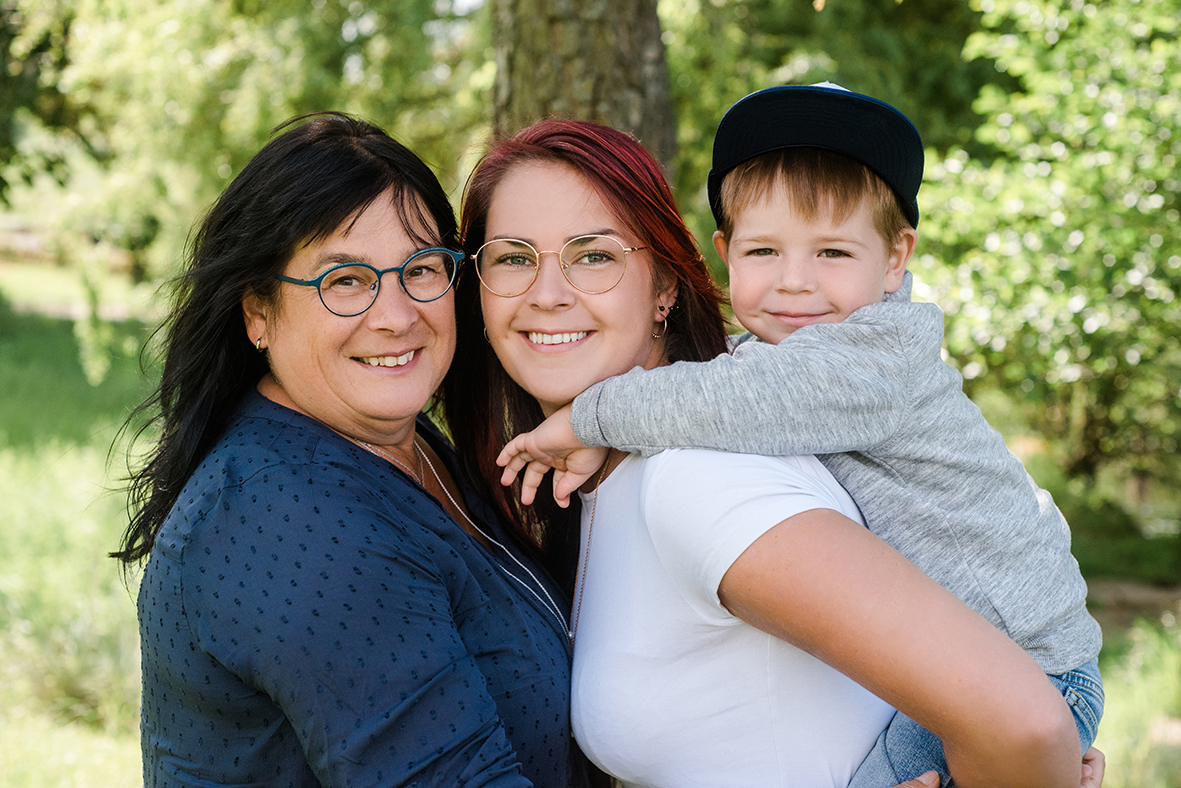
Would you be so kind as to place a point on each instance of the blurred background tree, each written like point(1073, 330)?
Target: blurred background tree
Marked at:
point(601, 61)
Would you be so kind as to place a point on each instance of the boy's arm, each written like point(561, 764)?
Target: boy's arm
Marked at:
point(825, 389)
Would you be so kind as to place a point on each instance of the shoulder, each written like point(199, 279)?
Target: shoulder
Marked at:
point(704, 508)
point(279, 482)
point(686, 479)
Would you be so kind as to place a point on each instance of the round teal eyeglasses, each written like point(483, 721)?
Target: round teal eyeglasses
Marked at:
point(349, 289)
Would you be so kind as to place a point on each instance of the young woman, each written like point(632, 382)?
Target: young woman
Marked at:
point(711, 589)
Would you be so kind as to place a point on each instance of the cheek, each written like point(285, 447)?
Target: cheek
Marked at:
point(743, 292)
point(495, 311)
point(442, 321)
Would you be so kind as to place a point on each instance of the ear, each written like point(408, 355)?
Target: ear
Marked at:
point(255, 313)
point(666, 297)
point(722, 247)
point(899, 256)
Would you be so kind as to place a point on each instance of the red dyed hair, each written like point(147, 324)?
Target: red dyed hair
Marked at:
point(484, 406)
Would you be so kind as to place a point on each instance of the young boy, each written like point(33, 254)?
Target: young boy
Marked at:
point(814, 190)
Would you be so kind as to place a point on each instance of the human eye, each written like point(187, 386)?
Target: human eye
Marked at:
point(348, 278)
point(515, 259)
point(426, 266)
point(593, 257)
point(757, 253)
point(833, 254)
point(593, 252)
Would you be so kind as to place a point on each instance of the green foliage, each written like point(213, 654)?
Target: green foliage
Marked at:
point(907, 53)
point(32, 53)
point(1059, 263)
point(171, 97)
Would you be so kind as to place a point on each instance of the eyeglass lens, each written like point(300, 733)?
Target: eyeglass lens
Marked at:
point(593, 264)
point(351, 289)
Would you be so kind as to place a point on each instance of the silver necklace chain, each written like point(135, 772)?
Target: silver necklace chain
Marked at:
point(548, 601)
point(396, 461)
point(590, 529)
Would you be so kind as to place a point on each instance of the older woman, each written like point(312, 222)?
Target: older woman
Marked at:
point(325, 601)
point(712, 588)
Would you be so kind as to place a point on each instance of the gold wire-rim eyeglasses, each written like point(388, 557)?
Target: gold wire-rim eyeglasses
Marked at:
point(579, 274)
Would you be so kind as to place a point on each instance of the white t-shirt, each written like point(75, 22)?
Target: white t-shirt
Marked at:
point(672, 690)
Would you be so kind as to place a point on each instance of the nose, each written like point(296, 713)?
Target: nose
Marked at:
point(550, 289)
point(392, 310)
point(796, 275)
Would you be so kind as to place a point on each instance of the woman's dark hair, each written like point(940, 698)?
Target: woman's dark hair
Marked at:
point(483, 405)
point(306, 183)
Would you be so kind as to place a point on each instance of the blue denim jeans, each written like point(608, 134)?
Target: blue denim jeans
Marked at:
point(906, 749)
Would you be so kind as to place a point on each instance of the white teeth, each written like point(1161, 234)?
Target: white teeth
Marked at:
point(555, 339)
point(389, 361)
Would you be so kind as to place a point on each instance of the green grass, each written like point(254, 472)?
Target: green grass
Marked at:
point(69, 652)
point(1141, 729)
point(45, 393)
point(38, 750)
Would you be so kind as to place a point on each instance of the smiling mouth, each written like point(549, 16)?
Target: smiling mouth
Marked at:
point(388, 361)
point(555, 339)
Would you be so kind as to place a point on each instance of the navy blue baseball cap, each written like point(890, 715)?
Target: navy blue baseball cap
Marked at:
point(821, 116)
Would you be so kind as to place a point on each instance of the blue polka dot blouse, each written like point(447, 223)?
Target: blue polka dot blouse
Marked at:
point(310, 616)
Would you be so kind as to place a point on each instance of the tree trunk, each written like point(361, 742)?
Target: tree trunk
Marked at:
point(600, 60)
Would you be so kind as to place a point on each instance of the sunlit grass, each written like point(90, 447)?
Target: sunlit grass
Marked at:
point(68, 620)
point(62, 290)
point(1141, 729)
point(69, 652)
point(38, 750)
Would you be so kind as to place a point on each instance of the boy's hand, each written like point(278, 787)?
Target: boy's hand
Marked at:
point(928, 780)
point(551, 445)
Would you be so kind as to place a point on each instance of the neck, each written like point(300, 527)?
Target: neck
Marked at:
point(394, 438)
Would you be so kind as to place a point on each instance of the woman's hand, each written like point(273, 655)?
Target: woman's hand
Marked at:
point(551, 445)
point(1094, 765)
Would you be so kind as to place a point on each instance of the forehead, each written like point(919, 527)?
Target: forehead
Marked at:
point(778, 202)
point(548, 201)
point(376, 235)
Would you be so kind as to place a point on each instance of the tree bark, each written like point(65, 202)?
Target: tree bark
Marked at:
point(599, 60)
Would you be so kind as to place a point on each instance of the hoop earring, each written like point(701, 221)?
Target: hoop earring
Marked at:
point(662, 333)
point(258, 344)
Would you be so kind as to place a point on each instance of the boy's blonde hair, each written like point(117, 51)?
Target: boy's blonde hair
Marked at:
point(816, 181)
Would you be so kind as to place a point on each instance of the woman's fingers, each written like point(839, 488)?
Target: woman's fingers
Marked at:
point(1094, 764)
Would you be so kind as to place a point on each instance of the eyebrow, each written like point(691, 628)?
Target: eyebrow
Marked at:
point(337, 258)
point(772, 240)
point(601, 231)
